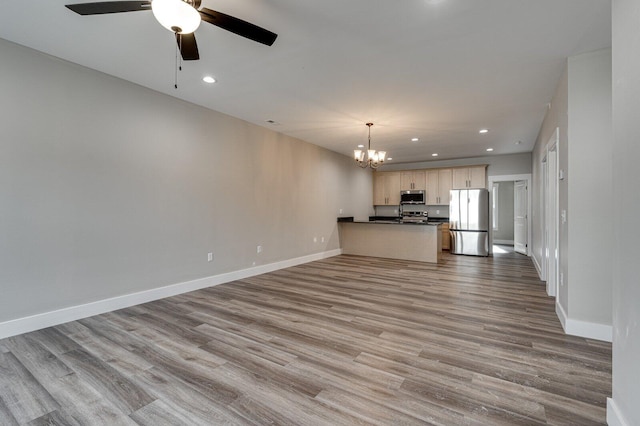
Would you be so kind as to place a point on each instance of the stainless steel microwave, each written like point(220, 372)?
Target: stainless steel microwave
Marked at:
point(415, 196)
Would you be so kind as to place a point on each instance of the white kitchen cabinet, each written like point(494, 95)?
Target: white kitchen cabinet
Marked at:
point(413, 179)
point(470, 177)
point(386, 188)
point(439, 183)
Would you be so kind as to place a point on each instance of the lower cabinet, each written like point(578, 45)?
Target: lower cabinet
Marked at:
point(446, 237)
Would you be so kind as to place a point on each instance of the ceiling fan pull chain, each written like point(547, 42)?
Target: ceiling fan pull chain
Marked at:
point(175, 75)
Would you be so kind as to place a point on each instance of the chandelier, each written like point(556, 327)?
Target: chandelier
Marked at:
point(374, 158)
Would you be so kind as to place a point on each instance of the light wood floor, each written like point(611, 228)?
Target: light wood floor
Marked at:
point(346, 340)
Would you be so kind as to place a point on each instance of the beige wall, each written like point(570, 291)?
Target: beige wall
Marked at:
point(505, 212)
point(108, 189)
point(556, 117)
point(624, 408)
point(581, 109)
point(498, 165)
point(589, 180)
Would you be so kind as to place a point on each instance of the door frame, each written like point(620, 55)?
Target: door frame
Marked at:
point(511, 178)
point(551, 217)
point(526, 213)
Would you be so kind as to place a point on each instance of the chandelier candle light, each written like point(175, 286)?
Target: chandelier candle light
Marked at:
point(374, 158)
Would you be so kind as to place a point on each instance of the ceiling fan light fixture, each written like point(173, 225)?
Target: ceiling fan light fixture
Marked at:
point(176, 15)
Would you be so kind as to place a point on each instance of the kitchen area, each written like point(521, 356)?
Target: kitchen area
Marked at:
point(420, 213)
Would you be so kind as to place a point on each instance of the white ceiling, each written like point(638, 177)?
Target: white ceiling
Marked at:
point(439, 70)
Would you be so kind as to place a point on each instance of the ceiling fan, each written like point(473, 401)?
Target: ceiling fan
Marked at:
point(181, 17)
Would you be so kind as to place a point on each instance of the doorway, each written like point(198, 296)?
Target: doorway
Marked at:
point(520, 214)
point(510, 202)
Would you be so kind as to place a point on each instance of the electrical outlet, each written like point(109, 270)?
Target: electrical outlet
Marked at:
point(259, 249)
point(563, 215)
point(341, 211)
point(437, 211)
point(561, 279)
point(209, 257)
point(315, 239)
point(322, 240)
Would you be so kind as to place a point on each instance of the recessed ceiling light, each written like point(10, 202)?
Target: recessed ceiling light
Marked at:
point(435, 154)
point(360, 146)
point(489, 149)
point(483, 131)
point(208, 79)
point(414, 139)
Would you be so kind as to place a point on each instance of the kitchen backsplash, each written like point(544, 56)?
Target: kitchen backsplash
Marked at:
point(434, 211)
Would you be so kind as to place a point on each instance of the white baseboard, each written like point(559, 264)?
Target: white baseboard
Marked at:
point(538, 267)
point(60, 316)
point(614, 416)
point(589, 330)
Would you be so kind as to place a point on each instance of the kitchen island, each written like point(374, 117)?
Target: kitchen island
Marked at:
point(419, 241)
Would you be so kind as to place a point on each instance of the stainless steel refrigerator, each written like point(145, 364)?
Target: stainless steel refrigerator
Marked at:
point(469, 221)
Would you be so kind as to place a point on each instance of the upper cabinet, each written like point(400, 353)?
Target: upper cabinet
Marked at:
point(386, 188)
point(436, 182)
point(438, 186)
point(413, 179)
point(470, 177)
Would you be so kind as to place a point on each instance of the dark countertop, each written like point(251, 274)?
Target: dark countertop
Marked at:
point(401, 222)
point(394, 220)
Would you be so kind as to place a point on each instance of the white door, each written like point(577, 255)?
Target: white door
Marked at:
point(552, 222)
point(520, 217)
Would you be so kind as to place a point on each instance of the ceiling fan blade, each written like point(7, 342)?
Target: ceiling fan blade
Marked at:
point(101, 8)
point(238, 26)
point(188, 47)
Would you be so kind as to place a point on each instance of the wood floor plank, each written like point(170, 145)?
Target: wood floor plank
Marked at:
point(6, 417)
point(81, 402)
point(344, 340)
point(36, 358)
point(53, 418)
point(117, 388)
point(193, 375)
point(200, 407)
point(159, 413)
point(277, 403)
point(22, 394)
